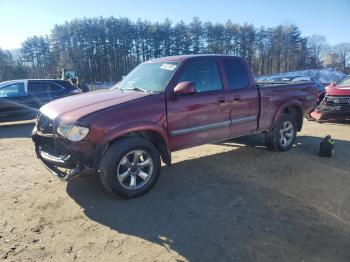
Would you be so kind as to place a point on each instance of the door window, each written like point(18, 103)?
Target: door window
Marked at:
point(38, 87)
point(54, 87)
point(13, 90)
point(236, 73)
point(204, 75)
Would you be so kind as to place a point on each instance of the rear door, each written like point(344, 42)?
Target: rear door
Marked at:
point(57, 90)
point(244, 95)
point(201, 117)
point(38, 93)
point(41, 92)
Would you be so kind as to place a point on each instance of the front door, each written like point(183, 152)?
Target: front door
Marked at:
point(14, 101)
point(201, 117)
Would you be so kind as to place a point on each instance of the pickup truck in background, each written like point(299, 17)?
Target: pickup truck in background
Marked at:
point(164, 105)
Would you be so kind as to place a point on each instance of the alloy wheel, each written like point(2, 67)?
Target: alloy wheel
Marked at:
point(286, 133)
point(135, 169)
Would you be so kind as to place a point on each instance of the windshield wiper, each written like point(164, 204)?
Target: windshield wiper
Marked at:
point(135, 88)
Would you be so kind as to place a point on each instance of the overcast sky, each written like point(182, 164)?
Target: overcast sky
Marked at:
point(22, 19)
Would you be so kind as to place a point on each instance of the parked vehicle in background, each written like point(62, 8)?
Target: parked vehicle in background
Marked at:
point(325, 76)
point(164, 105)
point(69, 74)
point(293, 79)
point(100, 85)
point(21, 99)
point(334, 103)
point(72, 76)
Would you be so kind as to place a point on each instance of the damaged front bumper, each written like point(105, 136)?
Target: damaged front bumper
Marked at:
point(62, 162)
point(332, 108)
point(64, 159)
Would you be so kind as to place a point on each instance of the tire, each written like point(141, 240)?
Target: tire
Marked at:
point(121, 175)
point(274, 139)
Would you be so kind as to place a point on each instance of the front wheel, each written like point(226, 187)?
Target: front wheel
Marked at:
point(283, 135)
point(130, 167)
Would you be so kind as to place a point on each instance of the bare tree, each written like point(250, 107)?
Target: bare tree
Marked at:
point(317, 45)
point(343, 53)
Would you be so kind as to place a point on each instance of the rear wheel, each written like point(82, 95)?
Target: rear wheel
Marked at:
point(283, 135)
point(130, 167)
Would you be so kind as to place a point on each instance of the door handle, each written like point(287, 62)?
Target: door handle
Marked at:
point(221, 99)
point(236, 98)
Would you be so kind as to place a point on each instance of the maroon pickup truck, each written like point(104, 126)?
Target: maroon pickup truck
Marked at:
point(165, 105)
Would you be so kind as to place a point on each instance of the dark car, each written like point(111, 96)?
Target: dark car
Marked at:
point(322, 76)
point(162, 106)
point(21, 99)
point(294, 79)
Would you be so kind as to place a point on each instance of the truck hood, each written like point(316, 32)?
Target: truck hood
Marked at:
point(338, 90)
point(72, 108)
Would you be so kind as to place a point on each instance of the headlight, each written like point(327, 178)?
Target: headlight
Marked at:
point(73, 132)
point(78, 133)
point(64, 129)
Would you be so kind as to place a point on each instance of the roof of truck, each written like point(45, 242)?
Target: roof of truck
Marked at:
point(180, 58)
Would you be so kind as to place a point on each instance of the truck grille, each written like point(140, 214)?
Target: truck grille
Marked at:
point(44, 124)
point(335, 104)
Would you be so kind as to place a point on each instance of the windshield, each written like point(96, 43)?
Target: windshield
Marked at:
point(344, 82)
point(149, 77)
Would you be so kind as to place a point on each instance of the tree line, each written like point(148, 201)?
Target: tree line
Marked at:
point(10, 68)
point(105, 49)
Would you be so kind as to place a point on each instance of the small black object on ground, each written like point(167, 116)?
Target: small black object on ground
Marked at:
point(327, 147)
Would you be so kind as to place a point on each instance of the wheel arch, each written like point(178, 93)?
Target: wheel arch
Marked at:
point(293, 108)
point(148, 131)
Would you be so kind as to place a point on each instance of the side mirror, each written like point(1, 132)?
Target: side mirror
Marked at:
point(185, 88)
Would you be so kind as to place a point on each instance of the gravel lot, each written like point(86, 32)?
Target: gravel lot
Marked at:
point(231, 201)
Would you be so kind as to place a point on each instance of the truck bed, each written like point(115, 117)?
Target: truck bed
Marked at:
point(274, 96)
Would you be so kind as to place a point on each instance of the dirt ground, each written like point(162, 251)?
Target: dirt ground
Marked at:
point(231, 201)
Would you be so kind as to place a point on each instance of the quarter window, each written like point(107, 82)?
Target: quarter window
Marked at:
point(236, 73)
point(204, 75)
